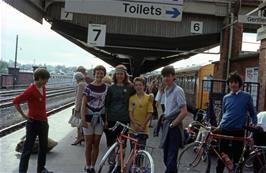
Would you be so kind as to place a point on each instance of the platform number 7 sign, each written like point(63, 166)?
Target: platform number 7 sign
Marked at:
point(96, 35)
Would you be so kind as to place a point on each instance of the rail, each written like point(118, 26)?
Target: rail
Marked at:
point(17, 126)
point(26, 85)
point(9, 103)
point(17, 93)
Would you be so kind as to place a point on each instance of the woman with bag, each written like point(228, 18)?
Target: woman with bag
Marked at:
point(75, 119)
point(93, 116)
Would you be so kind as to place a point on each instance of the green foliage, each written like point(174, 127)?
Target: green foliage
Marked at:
point(3, 67)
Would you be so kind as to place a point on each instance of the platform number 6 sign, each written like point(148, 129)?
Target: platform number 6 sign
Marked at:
point(96, 35)
point(196, 27)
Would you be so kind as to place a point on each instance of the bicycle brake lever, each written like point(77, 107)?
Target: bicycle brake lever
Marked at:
point(114, 127)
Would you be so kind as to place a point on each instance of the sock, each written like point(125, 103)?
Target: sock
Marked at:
point(92, 166)
point(87, 167)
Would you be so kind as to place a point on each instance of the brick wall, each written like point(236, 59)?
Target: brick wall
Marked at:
point(240, 65)
point(237, 39)
point(236, 48)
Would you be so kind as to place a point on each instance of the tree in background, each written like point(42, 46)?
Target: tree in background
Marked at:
point(3, 67)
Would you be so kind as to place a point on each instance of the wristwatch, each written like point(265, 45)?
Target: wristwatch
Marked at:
point(171, 125)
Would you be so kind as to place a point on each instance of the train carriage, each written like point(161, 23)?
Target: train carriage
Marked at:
point(191, 80)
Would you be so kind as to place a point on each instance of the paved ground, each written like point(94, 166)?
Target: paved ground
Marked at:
point(64, 158)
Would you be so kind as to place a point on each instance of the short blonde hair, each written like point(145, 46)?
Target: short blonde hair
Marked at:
point(107, 79)
point(139, 79)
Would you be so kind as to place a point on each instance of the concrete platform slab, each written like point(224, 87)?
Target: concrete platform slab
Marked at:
point(64, 158)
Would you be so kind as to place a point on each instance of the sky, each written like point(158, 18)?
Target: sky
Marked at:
point(38, 44)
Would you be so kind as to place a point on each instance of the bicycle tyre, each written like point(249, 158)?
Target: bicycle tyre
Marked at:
point(105, 165)
point(143, 163)
point(255, 162)
point(190, 159)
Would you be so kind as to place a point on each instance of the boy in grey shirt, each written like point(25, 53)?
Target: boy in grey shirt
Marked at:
point(175, 112)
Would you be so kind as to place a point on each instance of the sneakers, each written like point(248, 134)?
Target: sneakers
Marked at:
point(117, 169)
point(89, 170)
point(92, 170)
point(45, 171)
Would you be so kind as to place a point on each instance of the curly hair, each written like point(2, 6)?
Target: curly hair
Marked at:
point(234, 77)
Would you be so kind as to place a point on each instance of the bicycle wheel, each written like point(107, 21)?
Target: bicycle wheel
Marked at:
point(109, 161)
point(193, 159)
point(255, 162)
point(142, 163)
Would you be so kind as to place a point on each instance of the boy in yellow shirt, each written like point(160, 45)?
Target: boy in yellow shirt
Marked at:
point(140, 111)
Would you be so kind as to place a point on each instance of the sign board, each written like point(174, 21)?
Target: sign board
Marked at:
point(196, 27)
point(66, 15)
point(261, 33)
point(252, 19)
point(252, 75)
point(176, 2)
point(96, 35)
point(132, 9)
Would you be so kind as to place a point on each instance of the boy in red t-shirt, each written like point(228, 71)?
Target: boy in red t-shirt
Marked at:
point(37, 125)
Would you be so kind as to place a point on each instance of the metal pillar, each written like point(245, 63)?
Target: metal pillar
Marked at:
point(15, 65)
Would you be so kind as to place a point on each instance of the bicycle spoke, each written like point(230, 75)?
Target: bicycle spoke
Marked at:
point(142, 163)
point(193, 159)
point(255, 162)
point(110, 160)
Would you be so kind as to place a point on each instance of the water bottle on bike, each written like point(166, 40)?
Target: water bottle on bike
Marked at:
point(227, 161)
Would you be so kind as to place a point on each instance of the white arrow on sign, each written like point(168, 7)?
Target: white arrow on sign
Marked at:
point(153, 11)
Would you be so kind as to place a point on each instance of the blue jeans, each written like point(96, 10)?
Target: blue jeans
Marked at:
point(170, 149)
point(34, 128)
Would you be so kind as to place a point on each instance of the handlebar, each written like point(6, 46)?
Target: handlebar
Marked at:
point(256, 129)
point(125, 127)
point(206, 127)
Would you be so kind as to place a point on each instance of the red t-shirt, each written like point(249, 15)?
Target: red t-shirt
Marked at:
point(36, 102)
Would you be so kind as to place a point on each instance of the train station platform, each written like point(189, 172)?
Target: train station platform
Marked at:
point(63, 158)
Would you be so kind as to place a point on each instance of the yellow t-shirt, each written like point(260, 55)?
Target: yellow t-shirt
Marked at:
point(140, 108)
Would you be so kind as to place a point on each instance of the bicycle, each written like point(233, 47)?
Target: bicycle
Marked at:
point(201, 151)
point(138, 161)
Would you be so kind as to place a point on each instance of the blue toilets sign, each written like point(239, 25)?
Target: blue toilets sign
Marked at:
point(165, 10)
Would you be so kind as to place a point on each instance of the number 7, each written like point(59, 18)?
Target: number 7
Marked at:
point(98, 33)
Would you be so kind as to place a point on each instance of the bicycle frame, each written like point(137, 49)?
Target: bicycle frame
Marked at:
point(121, 138)
point(206, 145)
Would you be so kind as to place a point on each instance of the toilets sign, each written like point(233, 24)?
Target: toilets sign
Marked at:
point(167, 10)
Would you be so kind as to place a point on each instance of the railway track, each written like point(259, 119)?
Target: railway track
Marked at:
point(7, 102)
point(17, 126)
point(17, 92)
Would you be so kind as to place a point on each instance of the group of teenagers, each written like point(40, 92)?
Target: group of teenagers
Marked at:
point(100, 103)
